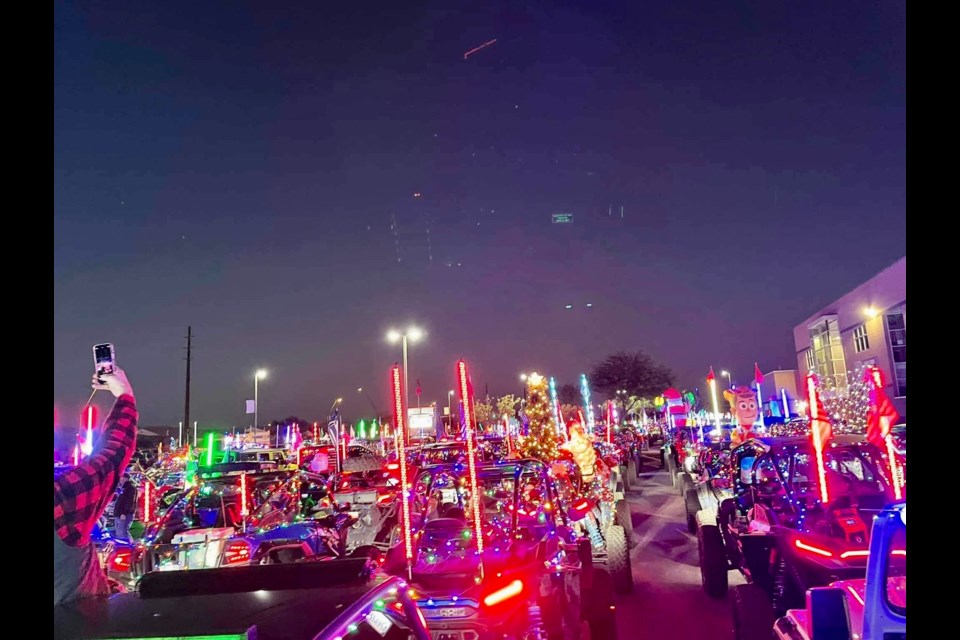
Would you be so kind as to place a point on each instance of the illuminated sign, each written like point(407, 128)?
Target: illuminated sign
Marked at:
point(421, 422)
point(562, 218)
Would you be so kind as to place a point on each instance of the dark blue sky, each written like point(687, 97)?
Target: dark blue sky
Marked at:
point(250, 169)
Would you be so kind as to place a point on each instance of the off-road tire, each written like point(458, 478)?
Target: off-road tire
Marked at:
point(691, 500)
point(598, 605)
point(618, 559)
point(752, 613)
point(562, 612)
point(631, 472)
point(685, 482)
point(713, 557)
point(625, 476)
point(622, 517)
point(639, 464)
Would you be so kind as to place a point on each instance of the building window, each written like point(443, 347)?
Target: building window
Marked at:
point(860, 341)
point(827, 352)
point(897, 333)
point(811, 362)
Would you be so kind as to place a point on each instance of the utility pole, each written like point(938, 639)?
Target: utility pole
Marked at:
point(186, 402)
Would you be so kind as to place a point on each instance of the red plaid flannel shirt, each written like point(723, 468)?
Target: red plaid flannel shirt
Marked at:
point(81, 494)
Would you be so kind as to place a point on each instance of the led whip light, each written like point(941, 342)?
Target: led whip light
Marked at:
point(815, 431)
point(399, 422)
point(466, 398)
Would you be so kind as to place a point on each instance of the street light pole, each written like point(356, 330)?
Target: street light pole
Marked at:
point(414, 334)
point(406, 379)
point(729, 380)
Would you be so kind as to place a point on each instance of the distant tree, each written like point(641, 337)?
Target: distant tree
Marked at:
point(508, 404)
point(571, 412)
point(485, 412)
point(569, 394)
point(637, 373)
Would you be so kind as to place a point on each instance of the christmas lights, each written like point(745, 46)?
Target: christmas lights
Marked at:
point(541, 440)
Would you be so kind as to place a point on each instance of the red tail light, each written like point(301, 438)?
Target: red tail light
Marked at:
point(512, 590)
point(384, 498)
point(120, 560)
point(237, 552)
point(393, 466)
point(800, 544)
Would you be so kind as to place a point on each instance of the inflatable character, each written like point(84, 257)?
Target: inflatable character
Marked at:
point(743, 406)
point(580, 446)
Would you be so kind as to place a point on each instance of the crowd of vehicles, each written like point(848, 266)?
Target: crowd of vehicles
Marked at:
point(511, 548)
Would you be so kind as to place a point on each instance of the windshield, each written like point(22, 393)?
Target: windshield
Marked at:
point(850, 473)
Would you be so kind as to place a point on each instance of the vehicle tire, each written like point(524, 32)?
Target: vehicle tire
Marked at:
point(625, 474)
point(713, 558)
point(632, 472)
point(562, 613)
point(598, 607)
point(639, 464)
point(752, 613)
point(623, 518)
point(691, 500)
point(618, 559)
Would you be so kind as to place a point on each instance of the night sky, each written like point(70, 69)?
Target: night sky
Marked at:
point(250, 169)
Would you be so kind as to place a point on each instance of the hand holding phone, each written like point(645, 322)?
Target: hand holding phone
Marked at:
point(115, 382)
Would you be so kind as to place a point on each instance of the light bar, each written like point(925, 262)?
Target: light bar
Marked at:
point(815, 432)
point(243, 495)
point(515, 588)
point(210, 449)
point(466, 400)
point(812, 549)
point(585, 392)
point(859, 553)
point(399, 422)
point(555, 406)
point(146, 500)
point(894, 468)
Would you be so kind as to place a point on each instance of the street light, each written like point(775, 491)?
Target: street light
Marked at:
point(257, 377)
point(412, 334)
point(729, 381)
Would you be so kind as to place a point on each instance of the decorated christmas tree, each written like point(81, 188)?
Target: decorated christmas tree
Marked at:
point(541, 439)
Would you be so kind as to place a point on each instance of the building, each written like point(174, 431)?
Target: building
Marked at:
point(775, 384)
point(867, 326)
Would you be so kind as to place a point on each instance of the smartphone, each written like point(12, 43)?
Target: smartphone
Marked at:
point(103, 358)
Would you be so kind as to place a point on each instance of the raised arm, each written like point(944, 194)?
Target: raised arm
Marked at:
point(81, 494)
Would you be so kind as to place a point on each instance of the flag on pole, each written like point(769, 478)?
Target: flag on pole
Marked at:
point(710, 376)
point(881, 414)
point(419, 390)
point(251, 406)
point(757, 374)
point(819, 418)
point(333, 427)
